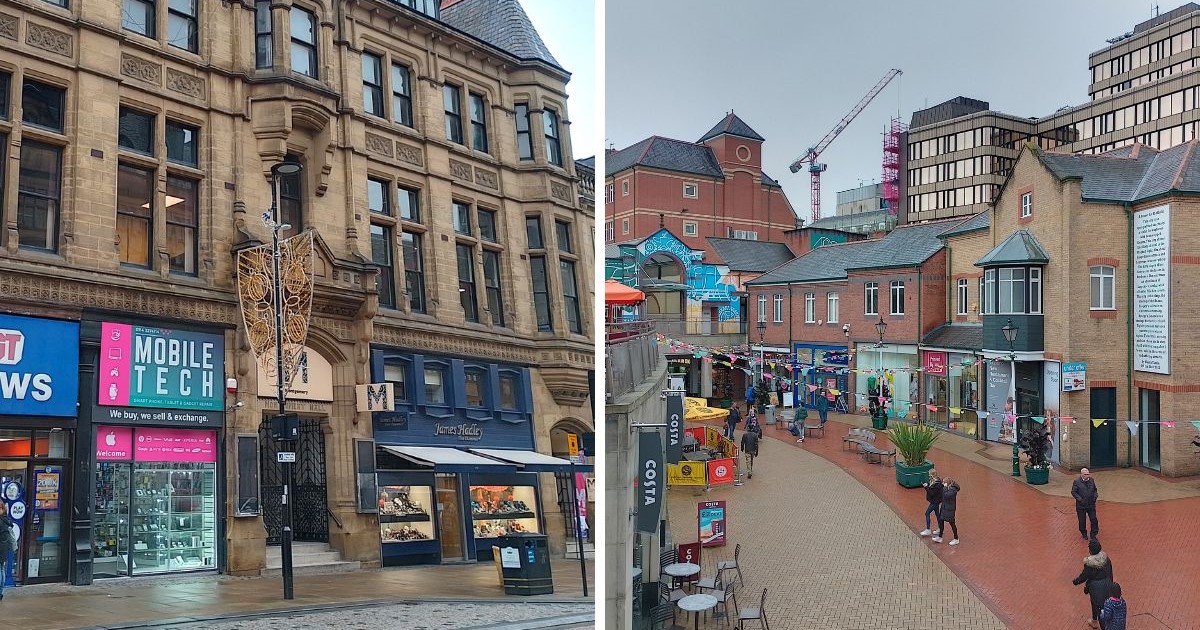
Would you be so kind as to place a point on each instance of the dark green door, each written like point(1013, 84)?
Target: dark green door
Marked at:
point(1104, 437)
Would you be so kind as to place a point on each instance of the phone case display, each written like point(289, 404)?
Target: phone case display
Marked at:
point(404, 513)
point(501, 510)
point(110, 536)
point(173, 518)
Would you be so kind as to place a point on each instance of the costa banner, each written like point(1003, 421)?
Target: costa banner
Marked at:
point(720, 471)
point(674, 427)
point(685, 474)
point(650, 482)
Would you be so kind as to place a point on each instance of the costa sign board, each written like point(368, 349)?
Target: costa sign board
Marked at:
point(674, 427)
point(39, 366)
point(651, 482)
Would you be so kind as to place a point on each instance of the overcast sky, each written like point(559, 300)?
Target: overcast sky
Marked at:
point(568, 27)
point(792, 69)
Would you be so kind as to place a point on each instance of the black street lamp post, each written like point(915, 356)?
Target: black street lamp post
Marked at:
point(879, 420)
point(762, 335)
point(1010, 335)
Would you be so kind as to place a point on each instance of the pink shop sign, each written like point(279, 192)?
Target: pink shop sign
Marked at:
point(175, 445)
point(114, 444)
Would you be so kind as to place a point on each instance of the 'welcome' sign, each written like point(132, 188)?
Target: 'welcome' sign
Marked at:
point(162, 368)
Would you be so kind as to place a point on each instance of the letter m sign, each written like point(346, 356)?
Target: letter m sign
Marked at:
point(376, 397)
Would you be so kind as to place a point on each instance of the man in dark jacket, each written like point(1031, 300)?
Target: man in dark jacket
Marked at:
point(1085, 493)
point(7, 544)
point(732, 420)
point(750, 450)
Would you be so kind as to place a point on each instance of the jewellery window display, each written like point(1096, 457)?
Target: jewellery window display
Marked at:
point(501, 510)
point(404, 514)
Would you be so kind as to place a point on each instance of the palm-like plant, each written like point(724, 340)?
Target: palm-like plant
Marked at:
point(912, 441)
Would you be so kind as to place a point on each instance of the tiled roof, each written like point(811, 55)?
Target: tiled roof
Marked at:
point(501, 23)
point(907, 245)
point(743, 255)
point(1131, 173)
point(665, 153)
point(981, 221)
point(957, 336)
point(587, 162)
point(1020, 247)
point(733, 126)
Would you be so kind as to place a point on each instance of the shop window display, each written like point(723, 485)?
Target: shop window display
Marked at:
point(404, 513)
point(501, 510)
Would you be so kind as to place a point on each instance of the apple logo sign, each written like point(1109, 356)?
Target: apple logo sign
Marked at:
point(110, 439)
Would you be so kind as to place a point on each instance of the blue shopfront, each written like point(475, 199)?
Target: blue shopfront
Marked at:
point(824, 366)
point(455, 464)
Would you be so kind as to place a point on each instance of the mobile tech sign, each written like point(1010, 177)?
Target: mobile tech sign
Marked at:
point(39, 367)
point(161, 369)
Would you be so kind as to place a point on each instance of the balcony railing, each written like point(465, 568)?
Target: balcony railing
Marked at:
point(631, 355)
point(675, 326)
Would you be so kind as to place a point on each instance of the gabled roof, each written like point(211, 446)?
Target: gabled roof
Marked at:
point(733, 126)
point(955, 336)
point(907, 245)
point(743, 255)
point(981, 221)
point(767, 180)
point(1020, 247)
point(665, 153)
point(501, 23)
point(1129, 174)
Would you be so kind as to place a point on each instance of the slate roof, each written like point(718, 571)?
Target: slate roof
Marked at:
point(665, 153)
point(501, 23)
point(907, 245)
point(733, 126)
point(1131, 173)
point(1020, 247)
point(743, 255)
point(960, 336)
point(981, 221)
point(587, 162)
point(767, 180)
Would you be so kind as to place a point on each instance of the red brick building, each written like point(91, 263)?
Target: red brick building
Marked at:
point(714, 187)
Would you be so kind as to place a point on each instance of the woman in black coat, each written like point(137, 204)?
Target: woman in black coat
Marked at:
point(946, 514)
point(1096, 577)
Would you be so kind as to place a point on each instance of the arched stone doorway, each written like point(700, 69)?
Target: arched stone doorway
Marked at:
point(585, 482)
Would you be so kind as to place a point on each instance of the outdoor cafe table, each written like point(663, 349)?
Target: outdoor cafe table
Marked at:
point(696, 604)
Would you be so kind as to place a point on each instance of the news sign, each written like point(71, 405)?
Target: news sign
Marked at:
point(39, 367)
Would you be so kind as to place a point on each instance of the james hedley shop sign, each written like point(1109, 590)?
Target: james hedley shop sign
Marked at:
point(160, 376)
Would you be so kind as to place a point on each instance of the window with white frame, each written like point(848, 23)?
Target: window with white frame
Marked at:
point(871, 298)
point(624, 226)
point(1012, 291)
point(897, 287)
point(762, 307)
point(810, 307)
point(610, 195)
point(625, 188)
point(608, 230)
point(1026, 205)
point(981, 295)
point(831, 308)
point(778, 308)
point(690, 229)
point(1103, 287)
point(962, 296)
point(989, 292)
point(690, 191)
point(1035, 290)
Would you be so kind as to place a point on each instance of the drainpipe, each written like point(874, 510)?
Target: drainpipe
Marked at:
point(1129, 327)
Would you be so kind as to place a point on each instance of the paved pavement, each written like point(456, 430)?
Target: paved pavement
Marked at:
point(830, 554)
point(1021, 545)
point(181, 600)
point(421, 616)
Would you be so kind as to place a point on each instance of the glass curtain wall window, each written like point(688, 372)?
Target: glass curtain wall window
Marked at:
point(871, 298)
point(304, 42)
point(479, 140)
point(466, 283)
point(401, 95)
point(1103, 279)
point(263, 40)
point(39, 194)
point(135, 214)
point(553, 146)
point(372, 78)
point(897, 297)
point(491, 283)
point(541, 293)
point(570, 296)
point(452, 103)
point(524, 134)
point(414, 271)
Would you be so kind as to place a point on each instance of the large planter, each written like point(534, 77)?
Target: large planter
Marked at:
point(912, 476)
point(879, 422)
point(1037, 476)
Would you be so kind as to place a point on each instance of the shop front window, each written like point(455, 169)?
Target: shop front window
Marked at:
point(404, 514)
point(501, 510)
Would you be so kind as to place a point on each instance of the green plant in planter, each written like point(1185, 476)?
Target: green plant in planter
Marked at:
point(1036, 444)
point(912, 442)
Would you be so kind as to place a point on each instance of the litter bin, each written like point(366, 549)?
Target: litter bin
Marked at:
point(770, 414)
point(525, 563)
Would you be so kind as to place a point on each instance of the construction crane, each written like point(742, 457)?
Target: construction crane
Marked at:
point(810, 156)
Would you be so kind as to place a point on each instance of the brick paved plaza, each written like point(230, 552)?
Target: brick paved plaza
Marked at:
point(834, 541)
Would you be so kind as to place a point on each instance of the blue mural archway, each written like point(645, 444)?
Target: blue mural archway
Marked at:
point(705, 281)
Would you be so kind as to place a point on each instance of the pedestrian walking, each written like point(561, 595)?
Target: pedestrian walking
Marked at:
point(749, 450)
point(1112, 615)
point(797, 426)
point(933, 494)
point(946, 514)
point(7, 544)
point(822, 403)
point(749, 396)
point(732, 420)
point(1096, 578)
point(1085, 493)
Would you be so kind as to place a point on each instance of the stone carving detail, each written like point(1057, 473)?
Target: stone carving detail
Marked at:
point(445, 344)
point(49, 39)
point(141, 69)
point(379, 145)
point(409, 154)
point(185, 83)
point(485, 178)
point(8, 26)
point(461, 170)
point(560, 191)
point(68, 293)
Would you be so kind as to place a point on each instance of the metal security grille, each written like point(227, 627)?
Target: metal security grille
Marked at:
point(310, 518)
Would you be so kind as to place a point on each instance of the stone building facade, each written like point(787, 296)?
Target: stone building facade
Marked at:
point(437, 180)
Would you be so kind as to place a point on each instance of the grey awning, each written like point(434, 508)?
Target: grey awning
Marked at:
point(531, 461)
point(448, 459)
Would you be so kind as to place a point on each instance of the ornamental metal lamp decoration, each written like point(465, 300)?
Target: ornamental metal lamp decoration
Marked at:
point(275, 289)
point(879, 420)
point(1010, 335)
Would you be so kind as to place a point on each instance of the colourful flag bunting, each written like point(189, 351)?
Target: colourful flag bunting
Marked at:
point(1096, 422)
point(956, 411)
point(1039, 419)
point(1196, 423)
point(1170, 424)
point(1132, 426)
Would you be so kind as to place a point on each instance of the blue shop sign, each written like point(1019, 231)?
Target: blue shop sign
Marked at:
point(39, 367)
